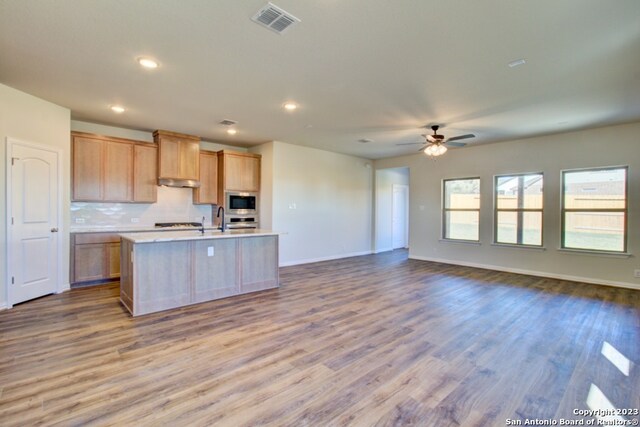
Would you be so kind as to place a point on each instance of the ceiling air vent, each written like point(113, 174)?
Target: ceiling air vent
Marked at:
point(274, 18)
point(228, 122)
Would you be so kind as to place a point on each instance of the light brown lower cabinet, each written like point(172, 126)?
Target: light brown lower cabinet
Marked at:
point(94, 256)
point(162, 275)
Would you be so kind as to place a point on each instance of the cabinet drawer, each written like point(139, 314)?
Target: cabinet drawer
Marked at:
point(91, 238)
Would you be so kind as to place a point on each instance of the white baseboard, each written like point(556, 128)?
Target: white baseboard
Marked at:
point(327, 258)
point(378, 251)
point(532, 272)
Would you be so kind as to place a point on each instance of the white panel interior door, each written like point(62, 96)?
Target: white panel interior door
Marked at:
point(33, 222)
point(400, 216)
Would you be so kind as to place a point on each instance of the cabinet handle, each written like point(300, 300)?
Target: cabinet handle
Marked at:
point(54, 230)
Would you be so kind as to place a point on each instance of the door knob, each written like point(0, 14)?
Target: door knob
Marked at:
point(54, 230)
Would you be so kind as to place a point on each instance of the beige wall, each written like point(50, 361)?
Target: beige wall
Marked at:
point(607, 146)
point(321, 203)
point(30, 119)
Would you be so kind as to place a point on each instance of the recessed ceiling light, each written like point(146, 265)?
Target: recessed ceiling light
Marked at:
point(516, 63)
point(148, 63)
point(290, 106)
point(232, 131)
point(117, 109)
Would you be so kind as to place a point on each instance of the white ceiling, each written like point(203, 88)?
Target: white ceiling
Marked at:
point(374, 69)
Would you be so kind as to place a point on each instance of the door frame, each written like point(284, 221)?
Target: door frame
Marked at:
point(406, 210)
point(10, 143)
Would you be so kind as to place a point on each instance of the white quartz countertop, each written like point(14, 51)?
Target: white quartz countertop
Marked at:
point(160, 236)
point(133, 229)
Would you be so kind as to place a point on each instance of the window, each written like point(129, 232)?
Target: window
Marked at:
point(518, 204)
point(594, 209)
point(461, 209)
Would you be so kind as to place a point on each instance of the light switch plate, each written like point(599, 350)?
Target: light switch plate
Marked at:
point(636, 273)
point(210, 250)
point(79, 220)
point(135, 220)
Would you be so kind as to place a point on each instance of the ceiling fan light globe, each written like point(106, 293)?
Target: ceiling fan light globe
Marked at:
point(435, 150)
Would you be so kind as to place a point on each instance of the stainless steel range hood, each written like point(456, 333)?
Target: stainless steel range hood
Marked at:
point(181, 183)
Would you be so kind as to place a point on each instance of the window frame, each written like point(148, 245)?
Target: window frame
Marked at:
point(520, 225)
point(443, 228)
point(625, 210)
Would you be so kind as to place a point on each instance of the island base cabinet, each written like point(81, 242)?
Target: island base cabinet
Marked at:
point(160, 275)
point(259, 263)
point(216, 269)
point(126, 272)
point(169, 278)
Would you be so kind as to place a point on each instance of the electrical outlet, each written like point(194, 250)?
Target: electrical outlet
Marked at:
point(636, 273)
point(79, 220)
point(292, 206)
point(136, 220)
point(210, 250)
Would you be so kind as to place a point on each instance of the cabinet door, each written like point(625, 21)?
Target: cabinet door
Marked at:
point(208, 191)
point(251, 174)
point(189, 164)
point(118, 177)
point(145, 166)
point(233, 172)
point(169, 282)
point(113, 262)
point(169, 153)
point(259, 263)
point(88, 169)
point(89, 262)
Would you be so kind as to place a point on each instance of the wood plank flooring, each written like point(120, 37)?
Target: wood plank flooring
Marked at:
point(368, 341)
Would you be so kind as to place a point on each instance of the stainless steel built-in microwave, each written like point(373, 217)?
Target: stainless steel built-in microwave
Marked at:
point(241, 203)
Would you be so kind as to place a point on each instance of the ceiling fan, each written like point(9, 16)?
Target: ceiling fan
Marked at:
point(435, 144)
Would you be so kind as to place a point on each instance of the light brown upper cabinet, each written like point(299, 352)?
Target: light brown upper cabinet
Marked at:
point(108, 169)
point(118, 171)
point(145, 179)
point(178, 155)
point(207, 193)
point(87, 168)
point(238, 172)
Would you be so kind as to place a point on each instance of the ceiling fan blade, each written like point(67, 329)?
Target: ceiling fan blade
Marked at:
point(423, 147)
point(455, 144)
point(410, 143)
point(458, 138)
point(430, 138)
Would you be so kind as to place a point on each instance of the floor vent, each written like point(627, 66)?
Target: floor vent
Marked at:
point(274, 18)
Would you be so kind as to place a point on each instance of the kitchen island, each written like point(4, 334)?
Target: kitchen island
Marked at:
point(161, 271)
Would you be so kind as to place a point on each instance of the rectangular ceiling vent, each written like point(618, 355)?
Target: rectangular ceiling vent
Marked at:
point(228, 122)
point(274, 18)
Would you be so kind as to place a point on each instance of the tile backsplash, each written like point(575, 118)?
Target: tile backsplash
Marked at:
point(174, 205)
